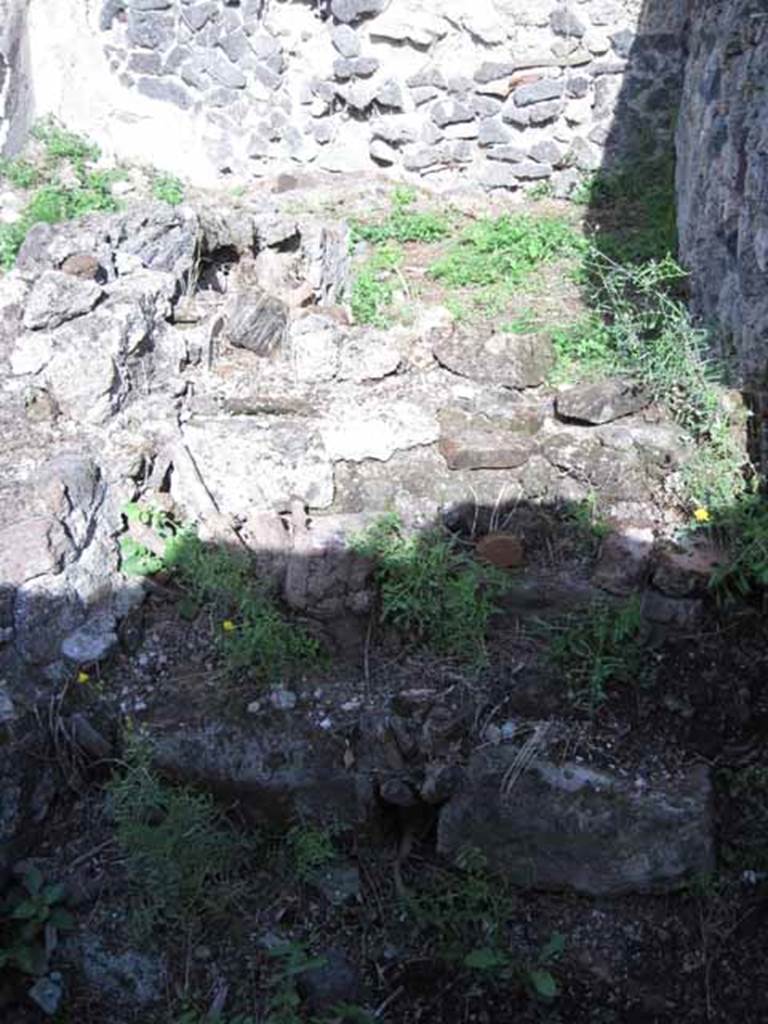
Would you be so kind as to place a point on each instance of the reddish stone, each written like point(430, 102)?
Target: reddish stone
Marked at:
point(501, 549)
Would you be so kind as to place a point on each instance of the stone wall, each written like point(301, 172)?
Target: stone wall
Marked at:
point(15, 97)
point(497, 92)
point(722, 145)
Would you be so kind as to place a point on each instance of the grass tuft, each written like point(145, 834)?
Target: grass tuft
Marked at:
point(403, 224)
point(593, 650)
point(431, 590)
point(53, 201)
point(505, 250)
point(183, 857)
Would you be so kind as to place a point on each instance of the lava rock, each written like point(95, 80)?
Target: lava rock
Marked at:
point(57, 297)
point(601, 401)
point(567, 827)
point(257, 322)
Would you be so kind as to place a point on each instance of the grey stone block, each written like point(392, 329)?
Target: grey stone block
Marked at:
point(538, 92)
point(346, 41)
point(168, 92)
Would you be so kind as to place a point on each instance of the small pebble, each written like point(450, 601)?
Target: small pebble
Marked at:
point(283, 700)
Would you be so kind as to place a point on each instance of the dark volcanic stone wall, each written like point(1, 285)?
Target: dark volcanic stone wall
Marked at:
point(722, 146)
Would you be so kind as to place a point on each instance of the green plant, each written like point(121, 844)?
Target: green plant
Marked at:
point(192, 1016)
point(11, 239)
point(284, 1000)
point(136, 559)
point(594, 649)
point(634, 210)
point(585, 516)
point(714, 477)
point(653, 337)
point(584, 350)
point(403, 224)
point(31, 915)
point(641, 329)
point(543, 190)
point(535, 975)
point(743, 530)
point(311, 848)
point(61, 144)
point(168, 189)
point(20, 173)
point(466, 913)
point(462, 909)
point(54, 201)
point(505, 250)
point(524, 323)
point(183, 857)
point(747, 789)
point(432, 590)
point(373, 289)
point(253, 634)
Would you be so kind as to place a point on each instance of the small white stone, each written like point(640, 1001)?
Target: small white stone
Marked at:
point(508, 730)
point(283, 700)
point(254, 707)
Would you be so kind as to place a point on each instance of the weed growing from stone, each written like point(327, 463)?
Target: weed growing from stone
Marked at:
point(431, 590)
point(311, 848)
point(19, 173)
point(525, 323)
point(183, 857)
point(53, 201)
point(636, 209)
point(403, 224)
point(168, 189)
point(61, 144)
point(639, 326)
point(596, 649)
point(263, 642)
point(743, 529)
point(505, 250)
point(374, 287)
point(254, 636)
point(584, 350)
point(640, 329)
point(653, 338)
point(585, 517)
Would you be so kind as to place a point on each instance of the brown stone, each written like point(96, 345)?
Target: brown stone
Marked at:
point(484, 452)
point(504, 550)
point(82, 265)
point(286, 183)
point(683, 572)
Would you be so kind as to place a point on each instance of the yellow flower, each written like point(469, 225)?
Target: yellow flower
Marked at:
point(83, 677)
point(701, 515)
point(228, 626)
